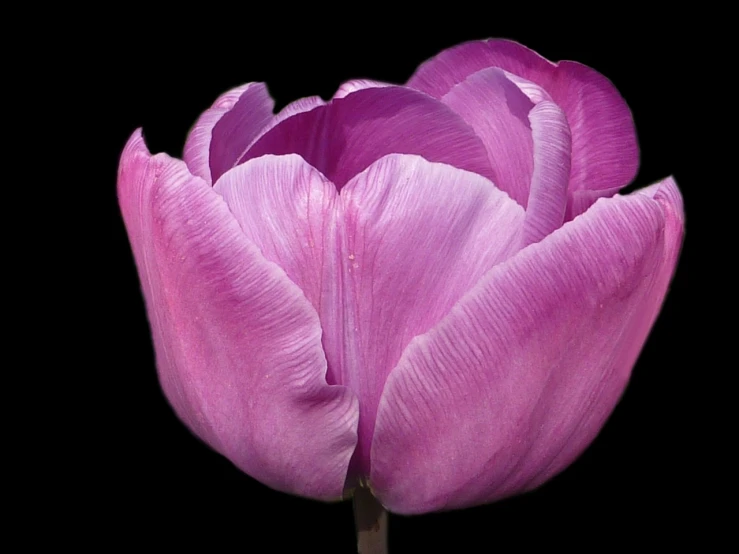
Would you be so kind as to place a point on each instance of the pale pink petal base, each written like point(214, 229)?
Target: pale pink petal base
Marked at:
point(238, 346)
point(519, 378)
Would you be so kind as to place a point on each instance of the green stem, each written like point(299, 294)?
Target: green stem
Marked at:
point(370, 519)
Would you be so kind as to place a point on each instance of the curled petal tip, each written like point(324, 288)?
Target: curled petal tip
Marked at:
point(135, 143)
point(668, 191)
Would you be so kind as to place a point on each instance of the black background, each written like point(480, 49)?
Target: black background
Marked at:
point(637, 485)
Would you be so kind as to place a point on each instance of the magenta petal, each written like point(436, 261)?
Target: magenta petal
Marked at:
point(237, 345)
point(292, 109)
point(382, 262)
point(498, 112)
point(518, 379)
point(197, 146)
point(548, 195)
point(439, 74)
point(605, 151)
point(580, 200)
point(237, 129)
point(345, 136)
point(358, 84)
point(669, 197)
point(309, 103)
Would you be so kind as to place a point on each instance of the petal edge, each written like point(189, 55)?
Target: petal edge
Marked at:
point(502, 394)
point(237, 345)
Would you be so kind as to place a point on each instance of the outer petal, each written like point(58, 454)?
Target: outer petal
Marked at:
point(669, 198)
point(237, 345)
point(253, 107)
point(344, 137)
point(605, 155)
point(518, 379)
point(382, 262)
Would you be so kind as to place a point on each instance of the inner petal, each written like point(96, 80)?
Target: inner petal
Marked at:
point(381, 262)
point(288, 209)
point(605, 153)
point(548, 194)
point(345, 136)
point(498, 111)
point(237, 127)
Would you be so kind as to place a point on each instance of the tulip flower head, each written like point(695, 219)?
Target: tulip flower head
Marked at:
point(433, 290)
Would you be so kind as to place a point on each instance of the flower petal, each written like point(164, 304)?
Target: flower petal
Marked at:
point(358, 84)
point(669, 198)
point(238, 128)
point(518, 379)
point(347, 135)
point(548, 195)
point(383, 261)
point(498, 112)
point(237, 345)
point(197, 146)
point(287, 208)
point(605, 154)
point(307, 104)
point(293, 108)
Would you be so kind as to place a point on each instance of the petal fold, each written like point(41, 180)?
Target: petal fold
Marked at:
point(237, 344)
point(513, 384)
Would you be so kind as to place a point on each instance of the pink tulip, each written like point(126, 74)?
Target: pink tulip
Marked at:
point(433, 290)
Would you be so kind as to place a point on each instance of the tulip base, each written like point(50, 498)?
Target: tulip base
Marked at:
point(370, 520)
